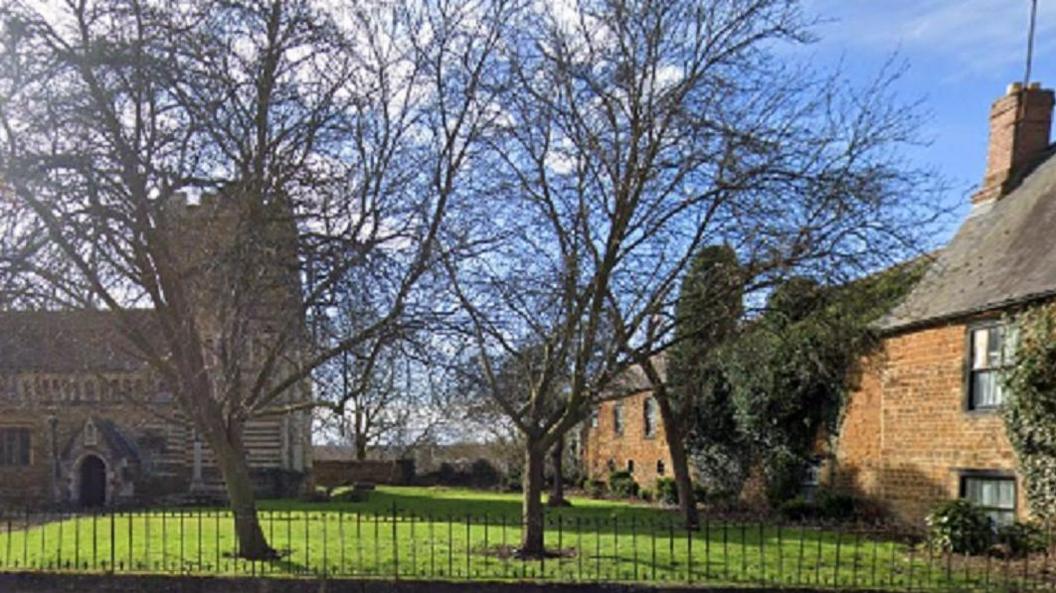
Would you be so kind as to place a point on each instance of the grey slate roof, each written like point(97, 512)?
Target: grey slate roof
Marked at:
point(1002, 255)
point(65, 341)
point(115, 441)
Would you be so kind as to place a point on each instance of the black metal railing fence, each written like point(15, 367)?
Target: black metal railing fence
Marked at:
point(398, 544)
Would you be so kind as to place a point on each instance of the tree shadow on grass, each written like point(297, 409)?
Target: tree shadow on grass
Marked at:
point(441, 505)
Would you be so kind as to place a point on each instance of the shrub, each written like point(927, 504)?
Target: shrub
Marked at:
point(511, 482)
point(960, 527)
point(595, 488)
point(447, 473)
point(622, 485)
point(483, 474)
point(646, 495)
point(1021, 539)
point(828, 506)
point(700, 493)
point(835, 506)
point(351, 495)
point(667, 491)
point(798, 509)
point(319, 494)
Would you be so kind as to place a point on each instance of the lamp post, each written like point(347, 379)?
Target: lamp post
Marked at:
point(56, 478)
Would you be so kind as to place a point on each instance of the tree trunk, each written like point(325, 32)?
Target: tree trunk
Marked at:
point(231, 459)
point(676, 444)
point(360, 435)
point(557, 487)
point(361, 447)
point(532, 512)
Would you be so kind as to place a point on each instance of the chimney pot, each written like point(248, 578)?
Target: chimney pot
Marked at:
point(1020, 124)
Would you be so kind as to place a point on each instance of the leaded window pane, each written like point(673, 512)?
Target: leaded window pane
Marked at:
point(996, 496)
point(23, 447)
point(991, 352)
point(987, 389)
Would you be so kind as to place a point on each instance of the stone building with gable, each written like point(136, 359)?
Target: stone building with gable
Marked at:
point(626, 434)
point(925, 423)
point(85, 421)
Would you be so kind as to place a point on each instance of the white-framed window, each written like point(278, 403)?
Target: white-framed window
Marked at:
point(811, 480)
point(617, 418)
point(649, 413)
point(660, 469)
point(594, 418)
point(995, 494)
point(990, 350)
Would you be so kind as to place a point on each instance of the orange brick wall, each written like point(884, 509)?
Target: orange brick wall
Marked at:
point(602, 444)
point(906, 436)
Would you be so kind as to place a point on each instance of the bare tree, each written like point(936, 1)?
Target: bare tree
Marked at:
point(325, 145)
point(639, 132)
point(406, 402)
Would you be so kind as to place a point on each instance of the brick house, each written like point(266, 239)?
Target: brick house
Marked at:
point(626, 434)
point(85, 422)
point(924, 424)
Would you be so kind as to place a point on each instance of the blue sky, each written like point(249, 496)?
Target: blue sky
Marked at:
point(961, 55)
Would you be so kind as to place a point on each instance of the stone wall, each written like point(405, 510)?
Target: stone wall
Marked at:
point(67, 583)
point(334, 473)
point(605, 449)
point(160, 446)
point(157, 461)
point(906, 437)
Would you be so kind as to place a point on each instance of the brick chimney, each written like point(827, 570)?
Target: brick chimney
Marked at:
point(1020, 123)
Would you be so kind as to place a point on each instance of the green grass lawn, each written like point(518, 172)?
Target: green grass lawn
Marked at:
point(453, 533)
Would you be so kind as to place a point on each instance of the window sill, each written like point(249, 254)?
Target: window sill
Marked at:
point(989, 411)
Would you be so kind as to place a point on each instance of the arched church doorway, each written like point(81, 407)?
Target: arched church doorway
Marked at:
point(93, 482)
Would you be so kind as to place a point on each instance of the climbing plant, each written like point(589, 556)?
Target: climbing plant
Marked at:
point(1030, 406)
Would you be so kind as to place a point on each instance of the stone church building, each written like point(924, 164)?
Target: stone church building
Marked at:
point(84, 422)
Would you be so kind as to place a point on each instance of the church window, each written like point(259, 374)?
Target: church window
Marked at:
point(89, 390)
point(14, 447)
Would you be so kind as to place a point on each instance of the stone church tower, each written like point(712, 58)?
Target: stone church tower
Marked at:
point(84, 422)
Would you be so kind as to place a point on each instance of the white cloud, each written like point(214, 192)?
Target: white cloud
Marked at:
point(976, 35)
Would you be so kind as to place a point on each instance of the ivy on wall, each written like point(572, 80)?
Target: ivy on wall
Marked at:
point(1030, 406)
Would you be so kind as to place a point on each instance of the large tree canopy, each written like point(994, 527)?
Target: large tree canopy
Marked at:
point(327, 146)
point(708, 315)
point(780, 385)
point(526, 183)
point(636, 133)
